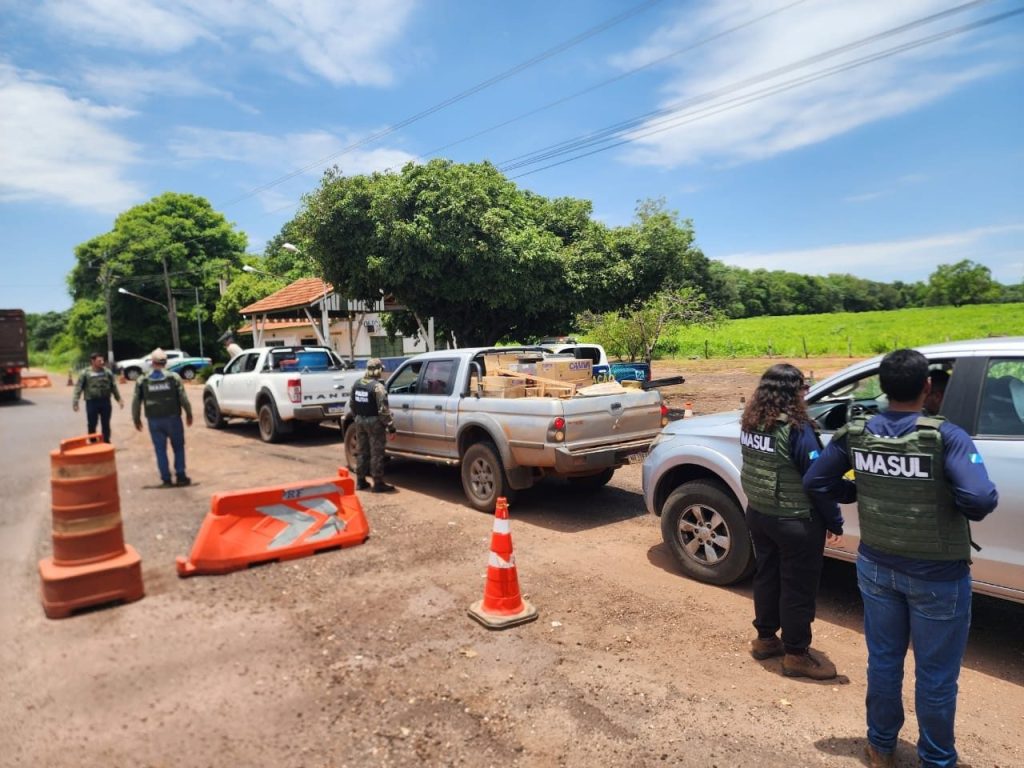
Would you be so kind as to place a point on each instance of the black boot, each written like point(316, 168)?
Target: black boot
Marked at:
point(361, 484)
point(379, 486)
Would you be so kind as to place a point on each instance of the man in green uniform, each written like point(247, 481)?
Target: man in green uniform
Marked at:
point(373, 423)
point(97, 384)
point(163, 394)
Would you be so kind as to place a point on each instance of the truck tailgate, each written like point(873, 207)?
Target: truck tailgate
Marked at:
point(623, 418)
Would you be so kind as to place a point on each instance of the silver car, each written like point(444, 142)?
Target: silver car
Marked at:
point(691, 479)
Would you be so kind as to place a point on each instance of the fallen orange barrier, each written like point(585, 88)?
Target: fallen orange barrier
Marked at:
point(36, 381)
point(503, 605)
point(260, 525)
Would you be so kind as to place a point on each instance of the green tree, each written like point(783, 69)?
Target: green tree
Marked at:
point(174, 243)
point(43, 328)
point(462, 244)
point(965, 282)
point(634, 332)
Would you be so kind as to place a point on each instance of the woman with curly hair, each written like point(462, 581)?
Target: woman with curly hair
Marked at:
point(779, 442)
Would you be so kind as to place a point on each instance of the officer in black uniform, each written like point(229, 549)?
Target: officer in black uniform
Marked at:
point(373, 424)
point(97, 385)
point(779, 443)
point(919, 481)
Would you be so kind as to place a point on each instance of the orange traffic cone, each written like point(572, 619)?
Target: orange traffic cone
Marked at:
point(687, 410)
point(503, 605)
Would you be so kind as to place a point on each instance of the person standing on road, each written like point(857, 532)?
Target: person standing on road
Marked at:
point(373, 424)
point(779, 443)
point(97, 385)
point(919, 481)
point(228, 340)
point(163, 394)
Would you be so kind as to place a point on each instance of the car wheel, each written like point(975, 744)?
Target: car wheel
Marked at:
point(188, 373)
point(705, 529)
point(211, 413)
point(132, 373)
point(272, 429)
point(350, 447)
point(592, 482)
point(483, 477)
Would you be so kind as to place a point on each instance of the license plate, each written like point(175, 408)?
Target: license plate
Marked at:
point(332, 409)
point(636, 458)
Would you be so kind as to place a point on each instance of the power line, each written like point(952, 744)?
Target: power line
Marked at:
point(617, 128)
point(616, 78)
point(540, 57)
point(771, 91)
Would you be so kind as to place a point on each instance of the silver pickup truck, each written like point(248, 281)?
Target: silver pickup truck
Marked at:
point(279, 386)
point(504, 445)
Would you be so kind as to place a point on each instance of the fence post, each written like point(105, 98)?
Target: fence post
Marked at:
point(707, 354)
point(769, 348)
point(804, 340)
point(849, 347)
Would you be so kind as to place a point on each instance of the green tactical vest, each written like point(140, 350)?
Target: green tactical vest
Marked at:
point(904, 504)
point(770, 480)
point(97, 384)
point(161, 396)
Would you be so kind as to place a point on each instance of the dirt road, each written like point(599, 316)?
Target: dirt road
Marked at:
point(365, 656)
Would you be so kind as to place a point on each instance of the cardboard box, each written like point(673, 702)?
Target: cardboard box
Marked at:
point(506, 392)
point(503, 382)
point(570, 370)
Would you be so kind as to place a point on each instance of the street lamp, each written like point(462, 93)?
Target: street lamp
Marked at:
point(254, 271)
point(165, 308)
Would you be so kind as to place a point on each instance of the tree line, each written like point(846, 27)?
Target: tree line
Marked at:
point(458, 242)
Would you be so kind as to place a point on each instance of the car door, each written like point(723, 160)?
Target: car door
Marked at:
point(429, 406)
point(402, 388)
point(999, 438)
point(234, 392)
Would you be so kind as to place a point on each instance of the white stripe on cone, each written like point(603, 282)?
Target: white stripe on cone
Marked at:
point(502, 525)
point(496, 562)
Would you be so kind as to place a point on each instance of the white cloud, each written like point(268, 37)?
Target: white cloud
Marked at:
point(135, 85)
point(284, 153)
point(803, 115)
point(59, 148)
point(341, 41)
point(998, 247)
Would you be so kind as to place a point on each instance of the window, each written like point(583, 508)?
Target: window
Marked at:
point(1002, 398)
point(438, 377)
point(243, 363)
point(382, 346)
point(404, 382)
point(847, 400)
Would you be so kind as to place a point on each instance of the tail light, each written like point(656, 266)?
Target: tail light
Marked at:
point(557, 430)
point(664, 414)
point(295, 390)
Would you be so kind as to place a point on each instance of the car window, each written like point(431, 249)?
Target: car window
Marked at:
point(235, 365)
point(1002, 398)
point(437, 380)
point(846, 400)
point(404, 381)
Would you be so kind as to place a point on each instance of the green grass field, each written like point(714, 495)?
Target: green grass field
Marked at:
point(858, 334)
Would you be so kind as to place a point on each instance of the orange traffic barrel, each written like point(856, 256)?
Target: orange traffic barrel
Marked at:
point(86, 506)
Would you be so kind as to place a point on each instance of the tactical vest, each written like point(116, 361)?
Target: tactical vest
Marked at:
point(97, 384)
point(904, 504)
point(364, 398)
point(770, 480)
point(161, 396)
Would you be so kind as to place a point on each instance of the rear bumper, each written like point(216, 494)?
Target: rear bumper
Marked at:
point(569, 461)
point(319, 412)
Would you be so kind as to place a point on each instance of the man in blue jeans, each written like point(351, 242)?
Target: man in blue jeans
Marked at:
point(920, 480)
point(163, 395)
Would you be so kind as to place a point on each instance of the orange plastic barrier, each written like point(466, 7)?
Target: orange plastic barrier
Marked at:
point(254, 526)
point(503, 605)
point(36, 381)
point(91, 564)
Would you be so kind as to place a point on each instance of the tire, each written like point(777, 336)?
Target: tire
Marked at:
point(707, 533)
point(350, 447)
point(132, 373)
point(591, 483)
point(483, 477)
point(188, 373)
point(272, 429)
point(211, 413)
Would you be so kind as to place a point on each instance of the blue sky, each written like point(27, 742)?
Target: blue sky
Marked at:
point(758, 125)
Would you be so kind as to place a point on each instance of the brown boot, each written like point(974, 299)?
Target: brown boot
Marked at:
point(766, 648)
point(878, 759)
point(810, 664)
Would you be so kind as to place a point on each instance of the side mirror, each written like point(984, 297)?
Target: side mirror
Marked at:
point(219, 369)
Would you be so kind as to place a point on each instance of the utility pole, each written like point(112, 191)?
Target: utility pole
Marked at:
point(105, 280)
point(172, 312)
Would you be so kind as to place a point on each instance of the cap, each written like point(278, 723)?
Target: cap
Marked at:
point(228, 335)
point(374, 366)
point(158, 356)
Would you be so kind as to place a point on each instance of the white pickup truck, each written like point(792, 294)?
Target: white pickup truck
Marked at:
point(279, 386)
point(503, 445)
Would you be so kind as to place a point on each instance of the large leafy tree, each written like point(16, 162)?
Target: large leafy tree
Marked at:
point(174, 243)
point(965, 282)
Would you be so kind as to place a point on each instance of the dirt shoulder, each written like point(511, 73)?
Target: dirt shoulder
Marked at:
point(365, 656)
